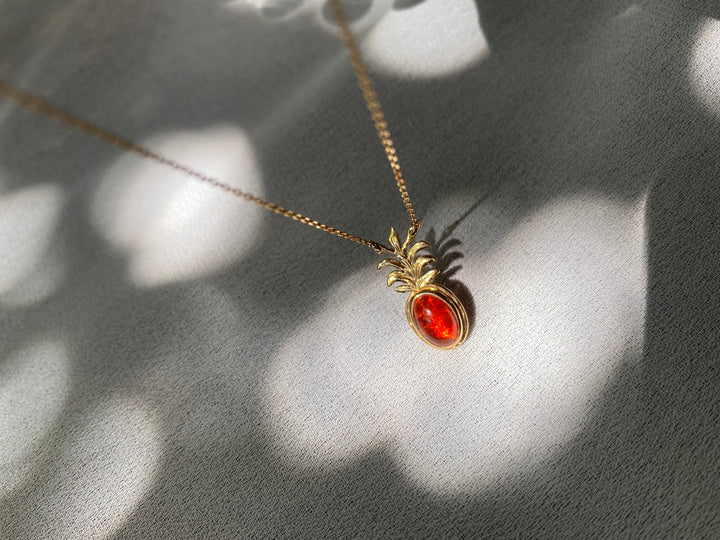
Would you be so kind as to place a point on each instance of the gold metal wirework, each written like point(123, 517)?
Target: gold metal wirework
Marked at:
point(40, 105)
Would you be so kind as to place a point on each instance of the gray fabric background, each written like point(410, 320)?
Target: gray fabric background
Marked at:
point(175, 363)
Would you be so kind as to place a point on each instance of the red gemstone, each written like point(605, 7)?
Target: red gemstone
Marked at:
point(435, 319)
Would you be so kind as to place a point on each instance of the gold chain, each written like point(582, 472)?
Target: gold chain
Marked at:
point(373, 106)
point(39, 105)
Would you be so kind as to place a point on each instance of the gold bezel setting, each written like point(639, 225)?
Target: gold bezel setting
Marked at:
point(456, 307)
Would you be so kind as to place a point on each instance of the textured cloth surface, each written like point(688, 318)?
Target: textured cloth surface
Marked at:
point(177, 363)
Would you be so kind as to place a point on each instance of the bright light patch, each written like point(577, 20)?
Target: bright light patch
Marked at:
point(173, 227)
point(362, 14)
point(705, 65)
point(430, 39)
point(630, 11)
point(34, 383)
point(105, 472)
point(271, 9)
point(31, 267)
point(560, 304)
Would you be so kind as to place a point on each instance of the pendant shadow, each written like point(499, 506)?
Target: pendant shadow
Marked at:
point(447, 257)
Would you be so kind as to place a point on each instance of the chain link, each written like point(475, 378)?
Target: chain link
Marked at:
point(39, 105)
point(373, 106)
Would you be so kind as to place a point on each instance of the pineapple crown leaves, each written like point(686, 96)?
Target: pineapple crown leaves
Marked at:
point(409, 269)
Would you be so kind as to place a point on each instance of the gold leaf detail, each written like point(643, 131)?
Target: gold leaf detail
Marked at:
point(391, 262)
point(427, 278)
point(417, 247)
point(395, 241)
point(400, 276)
point(421, 262)
point(408, 271)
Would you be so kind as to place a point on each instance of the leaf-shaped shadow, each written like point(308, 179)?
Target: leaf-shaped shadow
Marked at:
point(445, 257)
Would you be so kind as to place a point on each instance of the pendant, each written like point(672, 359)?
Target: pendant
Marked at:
point(434, 312)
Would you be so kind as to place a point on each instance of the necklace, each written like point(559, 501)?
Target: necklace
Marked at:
point(433, 311)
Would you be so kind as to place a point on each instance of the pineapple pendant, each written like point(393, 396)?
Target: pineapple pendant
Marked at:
point(434, 312)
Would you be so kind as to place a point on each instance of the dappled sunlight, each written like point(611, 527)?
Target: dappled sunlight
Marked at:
point(631, 11)
point(200, 377)
point(104, 472)
point(40, 282)
point(560, 305)
point(361, 15)
point(328, 389)
point(34, 385)
point(275, 9)
point(172, 227)
point(430, 39)
point(31, 265)
point(705, 65)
